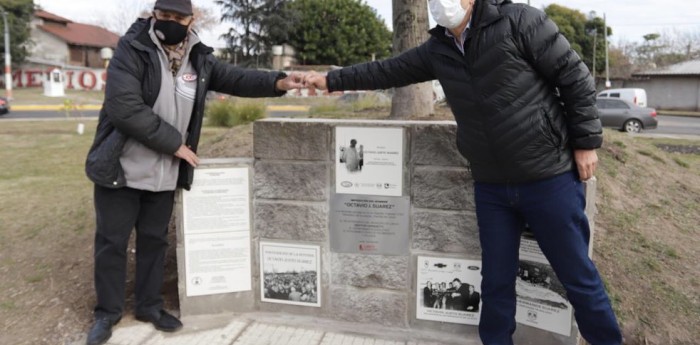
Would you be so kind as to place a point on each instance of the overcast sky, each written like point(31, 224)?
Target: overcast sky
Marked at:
point(629, 19)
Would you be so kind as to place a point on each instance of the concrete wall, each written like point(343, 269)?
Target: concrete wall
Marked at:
point(48, 47)
point(292, 185)
point(670, 93)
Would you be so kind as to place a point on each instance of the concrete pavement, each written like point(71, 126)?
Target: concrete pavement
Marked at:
point(276, 329)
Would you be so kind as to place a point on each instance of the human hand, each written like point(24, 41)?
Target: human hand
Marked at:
point(294, 80)
point(188, 155)
point(586, 162)
point(315, 80)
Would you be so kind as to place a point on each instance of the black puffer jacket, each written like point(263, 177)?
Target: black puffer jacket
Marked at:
point(133, 85)
point(522, 98)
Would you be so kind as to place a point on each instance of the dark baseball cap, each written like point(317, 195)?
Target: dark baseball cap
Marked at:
point(179, 6)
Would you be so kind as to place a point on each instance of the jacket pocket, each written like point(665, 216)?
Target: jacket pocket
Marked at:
point(550, 131)
point(102, 165)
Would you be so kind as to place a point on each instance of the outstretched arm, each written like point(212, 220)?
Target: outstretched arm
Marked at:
point(412, 66)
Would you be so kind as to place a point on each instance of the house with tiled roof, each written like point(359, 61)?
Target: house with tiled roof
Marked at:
point(62, 42)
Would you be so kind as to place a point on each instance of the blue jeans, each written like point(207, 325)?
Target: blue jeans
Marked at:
point(554, 210)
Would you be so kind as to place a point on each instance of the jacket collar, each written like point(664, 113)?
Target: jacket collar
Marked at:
point(140, 38)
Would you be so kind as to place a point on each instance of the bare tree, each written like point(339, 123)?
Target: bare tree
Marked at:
point(120, 21)
point(411, 30)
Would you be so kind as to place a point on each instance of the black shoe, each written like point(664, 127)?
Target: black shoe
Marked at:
point(162, 321)
point(100, 332)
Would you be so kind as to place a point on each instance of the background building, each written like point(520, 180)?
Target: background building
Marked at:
point(61, 42)
point(675, 87)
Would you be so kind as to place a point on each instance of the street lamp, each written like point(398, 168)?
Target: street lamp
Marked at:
point(594, 32)
point(607, 64)
point(8, 58)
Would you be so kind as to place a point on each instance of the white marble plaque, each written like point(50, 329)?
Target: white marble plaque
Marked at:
point(216, 220)
point(369, 161)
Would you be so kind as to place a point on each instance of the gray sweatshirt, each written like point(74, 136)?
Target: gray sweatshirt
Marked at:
point(144, 168)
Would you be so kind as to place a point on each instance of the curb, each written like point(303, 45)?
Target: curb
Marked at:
point(291, 108)
point(54, 107)
point(677, 113)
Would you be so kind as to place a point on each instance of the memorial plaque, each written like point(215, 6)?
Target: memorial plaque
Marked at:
point(542, 301)
point(216, 225)
point(448, 290)
point(290, 274)
point(369, 224)
point(369, 161)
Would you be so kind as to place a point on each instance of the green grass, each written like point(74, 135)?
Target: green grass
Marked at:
point(651, 155)
point(681, 162)
point(32, 96)
point(44, 194)
point(7, 305)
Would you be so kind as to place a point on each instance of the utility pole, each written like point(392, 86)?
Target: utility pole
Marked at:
point(607, 64)
point(8, 57)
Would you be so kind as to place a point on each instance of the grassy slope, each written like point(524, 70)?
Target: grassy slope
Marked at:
point(648, 238)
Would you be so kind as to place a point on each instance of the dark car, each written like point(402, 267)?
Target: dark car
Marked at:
point(625, 116)
point(4, 106)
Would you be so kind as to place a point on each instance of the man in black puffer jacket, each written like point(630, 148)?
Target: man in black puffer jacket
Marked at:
point(524, 103)
point(145, 147)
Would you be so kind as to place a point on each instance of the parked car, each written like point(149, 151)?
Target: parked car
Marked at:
point(625, 116)
point(4, 106)
point(636, 96)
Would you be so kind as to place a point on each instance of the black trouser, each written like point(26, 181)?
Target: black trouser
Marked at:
point(117, 212)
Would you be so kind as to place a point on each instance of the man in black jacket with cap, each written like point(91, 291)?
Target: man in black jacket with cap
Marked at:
point(145, 147)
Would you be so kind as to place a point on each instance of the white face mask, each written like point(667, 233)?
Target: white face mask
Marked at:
point(448, 13)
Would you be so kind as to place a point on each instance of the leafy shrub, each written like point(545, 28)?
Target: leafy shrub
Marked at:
point(228, 113)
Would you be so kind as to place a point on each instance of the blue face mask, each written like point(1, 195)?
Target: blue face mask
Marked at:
point(170, 32)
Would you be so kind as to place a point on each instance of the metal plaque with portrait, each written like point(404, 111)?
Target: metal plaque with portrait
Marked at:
point(369, 224)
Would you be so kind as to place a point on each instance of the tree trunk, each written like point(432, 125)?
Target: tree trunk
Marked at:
point(411, 30)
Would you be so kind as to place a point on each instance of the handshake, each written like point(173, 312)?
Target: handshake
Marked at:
point(302, 80)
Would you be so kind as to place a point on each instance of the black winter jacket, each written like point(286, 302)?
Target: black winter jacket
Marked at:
point(133, 85)
point(522, 98)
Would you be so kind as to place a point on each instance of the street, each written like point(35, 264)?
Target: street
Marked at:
point(668, 125)
point(684, 125)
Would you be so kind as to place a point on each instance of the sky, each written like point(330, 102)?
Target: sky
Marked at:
point(629, 19)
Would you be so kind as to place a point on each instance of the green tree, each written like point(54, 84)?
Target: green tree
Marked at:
point(19, 14)
point(340, 32)
point(257, 26)
point(586, 35)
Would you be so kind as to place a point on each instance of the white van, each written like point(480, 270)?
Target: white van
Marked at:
point(636, 96)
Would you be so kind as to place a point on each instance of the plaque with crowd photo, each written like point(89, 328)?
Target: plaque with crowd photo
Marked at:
point(541, 297)
point(290, 274)
point(448, 290)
